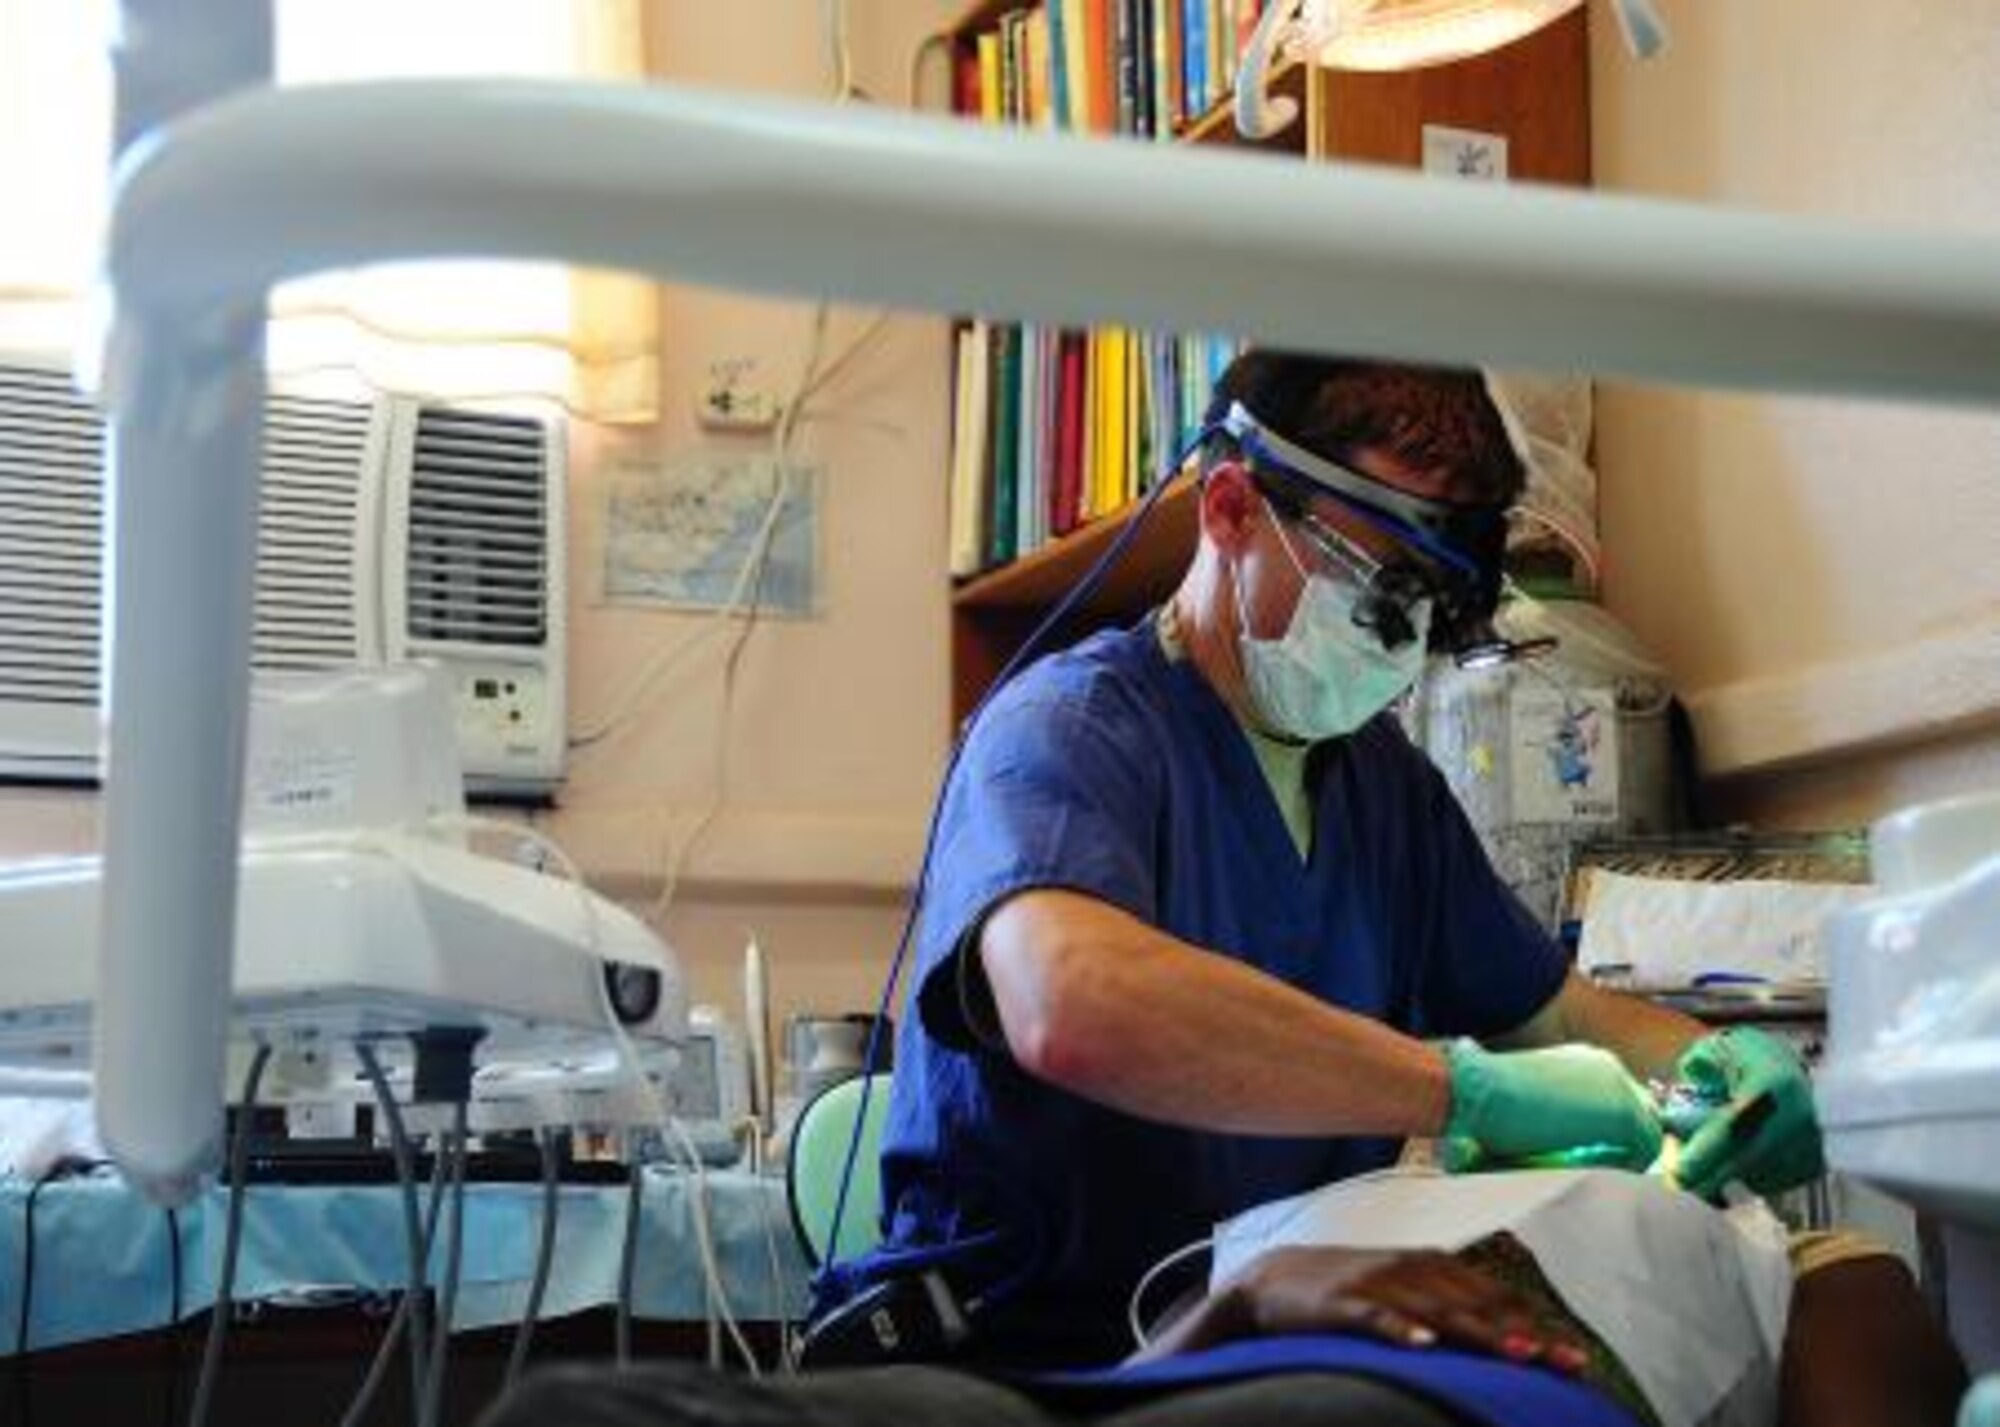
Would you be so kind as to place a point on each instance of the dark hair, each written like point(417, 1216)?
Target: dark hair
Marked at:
point(1437, 419)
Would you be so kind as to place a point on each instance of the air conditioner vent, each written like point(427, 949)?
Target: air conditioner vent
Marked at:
point(387, 530)
point(51, 531)
point(478, 541)
point(313, 455)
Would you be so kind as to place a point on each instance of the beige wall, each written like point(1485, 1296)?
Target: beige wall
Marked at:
point(841, 721)
point(1821, 576)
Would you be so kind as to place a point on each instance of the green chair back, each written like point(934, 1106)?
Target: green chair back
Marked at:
point(820, 1139)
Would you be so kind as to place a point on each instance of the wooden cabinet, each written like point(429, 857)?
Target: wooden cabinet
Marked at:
point(1534, 93)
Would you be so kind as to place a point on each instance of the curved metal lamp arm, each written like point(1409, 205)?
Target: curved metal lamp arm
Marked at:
point(869, 207)
point(1261, 114)
point(939, 215)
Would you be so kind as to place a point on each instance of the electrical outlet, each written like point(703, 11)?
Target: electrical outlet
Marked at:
point(729, 403)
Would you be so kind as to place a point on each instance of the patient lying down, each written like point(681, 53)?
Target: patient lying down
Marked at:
point(1597, 1300)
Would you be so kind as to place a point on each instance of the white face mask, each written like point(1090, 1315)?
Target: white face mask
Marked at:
point(1327, 675)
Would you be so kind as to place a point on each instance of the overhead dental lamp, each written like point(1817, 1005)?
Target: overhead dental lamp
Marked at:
point(1387, 35)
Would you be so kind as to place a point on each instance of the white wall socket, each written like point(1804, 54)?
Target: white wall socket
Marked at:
point(728, 403)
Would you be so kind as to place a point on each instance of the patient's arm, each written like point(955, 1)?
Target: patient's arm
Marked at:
point(1862, 1349)
point(1410, 1299)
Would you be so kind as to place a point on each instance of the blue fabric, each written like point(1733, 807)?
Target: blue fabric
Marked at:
point(1483, 1389)
point(103, 1264)
point(1111, 770)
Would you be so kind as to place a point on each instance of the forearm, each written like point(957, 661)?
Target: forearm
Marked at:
point(1097, 1002)
point(1649, 1038)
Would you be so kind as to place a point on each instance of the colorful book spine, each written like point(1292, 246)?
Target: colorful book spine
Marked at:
point(1005, 542)
point(1054, 428)
point(1125, 48)
point(1055, 15)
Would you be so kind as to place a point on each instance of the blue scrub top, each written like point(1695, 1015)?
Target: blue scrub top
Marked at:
point(1112, 770)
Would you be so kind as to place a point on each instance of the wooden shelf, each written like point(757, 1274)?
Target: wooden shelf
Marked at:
point(1149, 570)
point(1216, 127)
point(982, 15)
point(993, 614)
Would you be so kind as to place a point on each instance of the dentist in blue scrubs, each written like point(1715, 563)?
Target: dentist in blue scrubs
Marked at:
point(1203, 929)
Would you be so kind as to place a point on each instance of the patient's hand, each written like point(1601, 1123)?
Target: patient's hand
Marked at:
point(1414, 1300)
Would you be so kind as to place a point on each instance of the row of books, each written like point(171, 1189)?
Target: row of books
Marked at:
point(1054, 428)
point(1141, 67)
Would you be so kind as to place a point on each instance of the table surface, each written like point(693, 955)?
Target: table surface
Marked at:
point(103, 1261)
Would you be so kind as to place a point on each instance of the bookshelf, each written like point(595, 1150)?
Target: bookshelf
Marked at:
point(1534, 93)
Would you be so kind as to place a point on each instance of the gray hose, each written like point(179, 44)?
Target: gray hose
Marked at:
point(545, 1254)
point(418, 1244)
point(399, 1322)
point(628, 1262)
point(432, 1410)
point(225, 1288)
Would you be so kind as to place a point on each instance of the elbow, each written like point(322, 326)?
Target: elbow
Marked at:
point(1052, 1045)
point(1047, 992)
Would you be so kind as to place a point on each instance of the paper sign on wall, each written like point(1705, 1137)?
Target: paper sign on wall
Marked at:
point(686, 532)
point(1464, 153)
point(1565, 755)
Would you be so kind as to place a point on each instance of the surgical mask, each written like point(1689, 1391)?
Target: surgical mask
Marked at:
point(1326, 676)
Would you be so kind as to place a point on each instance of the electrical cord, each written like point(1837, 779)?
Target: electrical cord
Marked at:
point(628, 1263)
point(392, 1336)
point(432, 1411)
point(58, 1170)
point(173, 1393)
point(239, 1171)
point(755, 568)
point(1133, 1306)
point(676, 1134)
point(788, 1358)
point(936, 43)
point(815, 376)
point(750, 574)
point(415, 1241)
point(841, 53)
point(545, 1253)
point(1078, 594)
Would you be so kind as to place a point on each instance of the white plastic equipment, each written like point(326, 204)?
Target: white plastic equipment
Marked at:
point(1909, 1095)
point(360, 912)
point(1547, 752)
point(225, 186)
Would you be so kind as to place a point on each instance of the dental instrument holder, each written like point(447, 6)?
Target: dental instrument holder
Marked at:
point(216, 201)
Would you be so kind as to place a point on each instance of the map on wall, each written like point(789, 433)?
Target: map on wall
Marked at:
point(682, 534)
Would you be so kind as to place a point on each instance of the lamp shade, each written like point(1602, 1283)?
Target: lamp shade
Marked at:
point(1407, 34)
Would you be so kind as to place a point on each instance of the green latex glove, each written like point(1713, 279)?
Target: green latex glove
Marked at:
point(1765, 1133)
point(1566, 1099)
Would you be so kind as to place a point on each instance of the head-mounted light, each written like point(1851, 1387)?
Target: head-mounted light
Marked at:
point(1460, 546)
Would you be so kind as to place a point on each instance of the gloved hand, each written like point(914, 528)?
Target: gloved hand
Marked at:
point(1764, 1131)
point(1568, 1097)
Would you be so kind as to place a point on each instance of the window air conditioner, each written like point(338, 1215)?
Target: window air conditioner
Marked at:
point(389, 530)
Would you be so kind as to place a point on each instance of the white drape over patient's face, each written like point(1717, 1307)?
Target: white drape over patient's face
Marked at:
point(1692, 1300)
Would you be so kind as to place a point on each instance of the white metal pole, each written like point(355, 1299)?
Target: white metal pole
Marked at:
point(186, 396)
